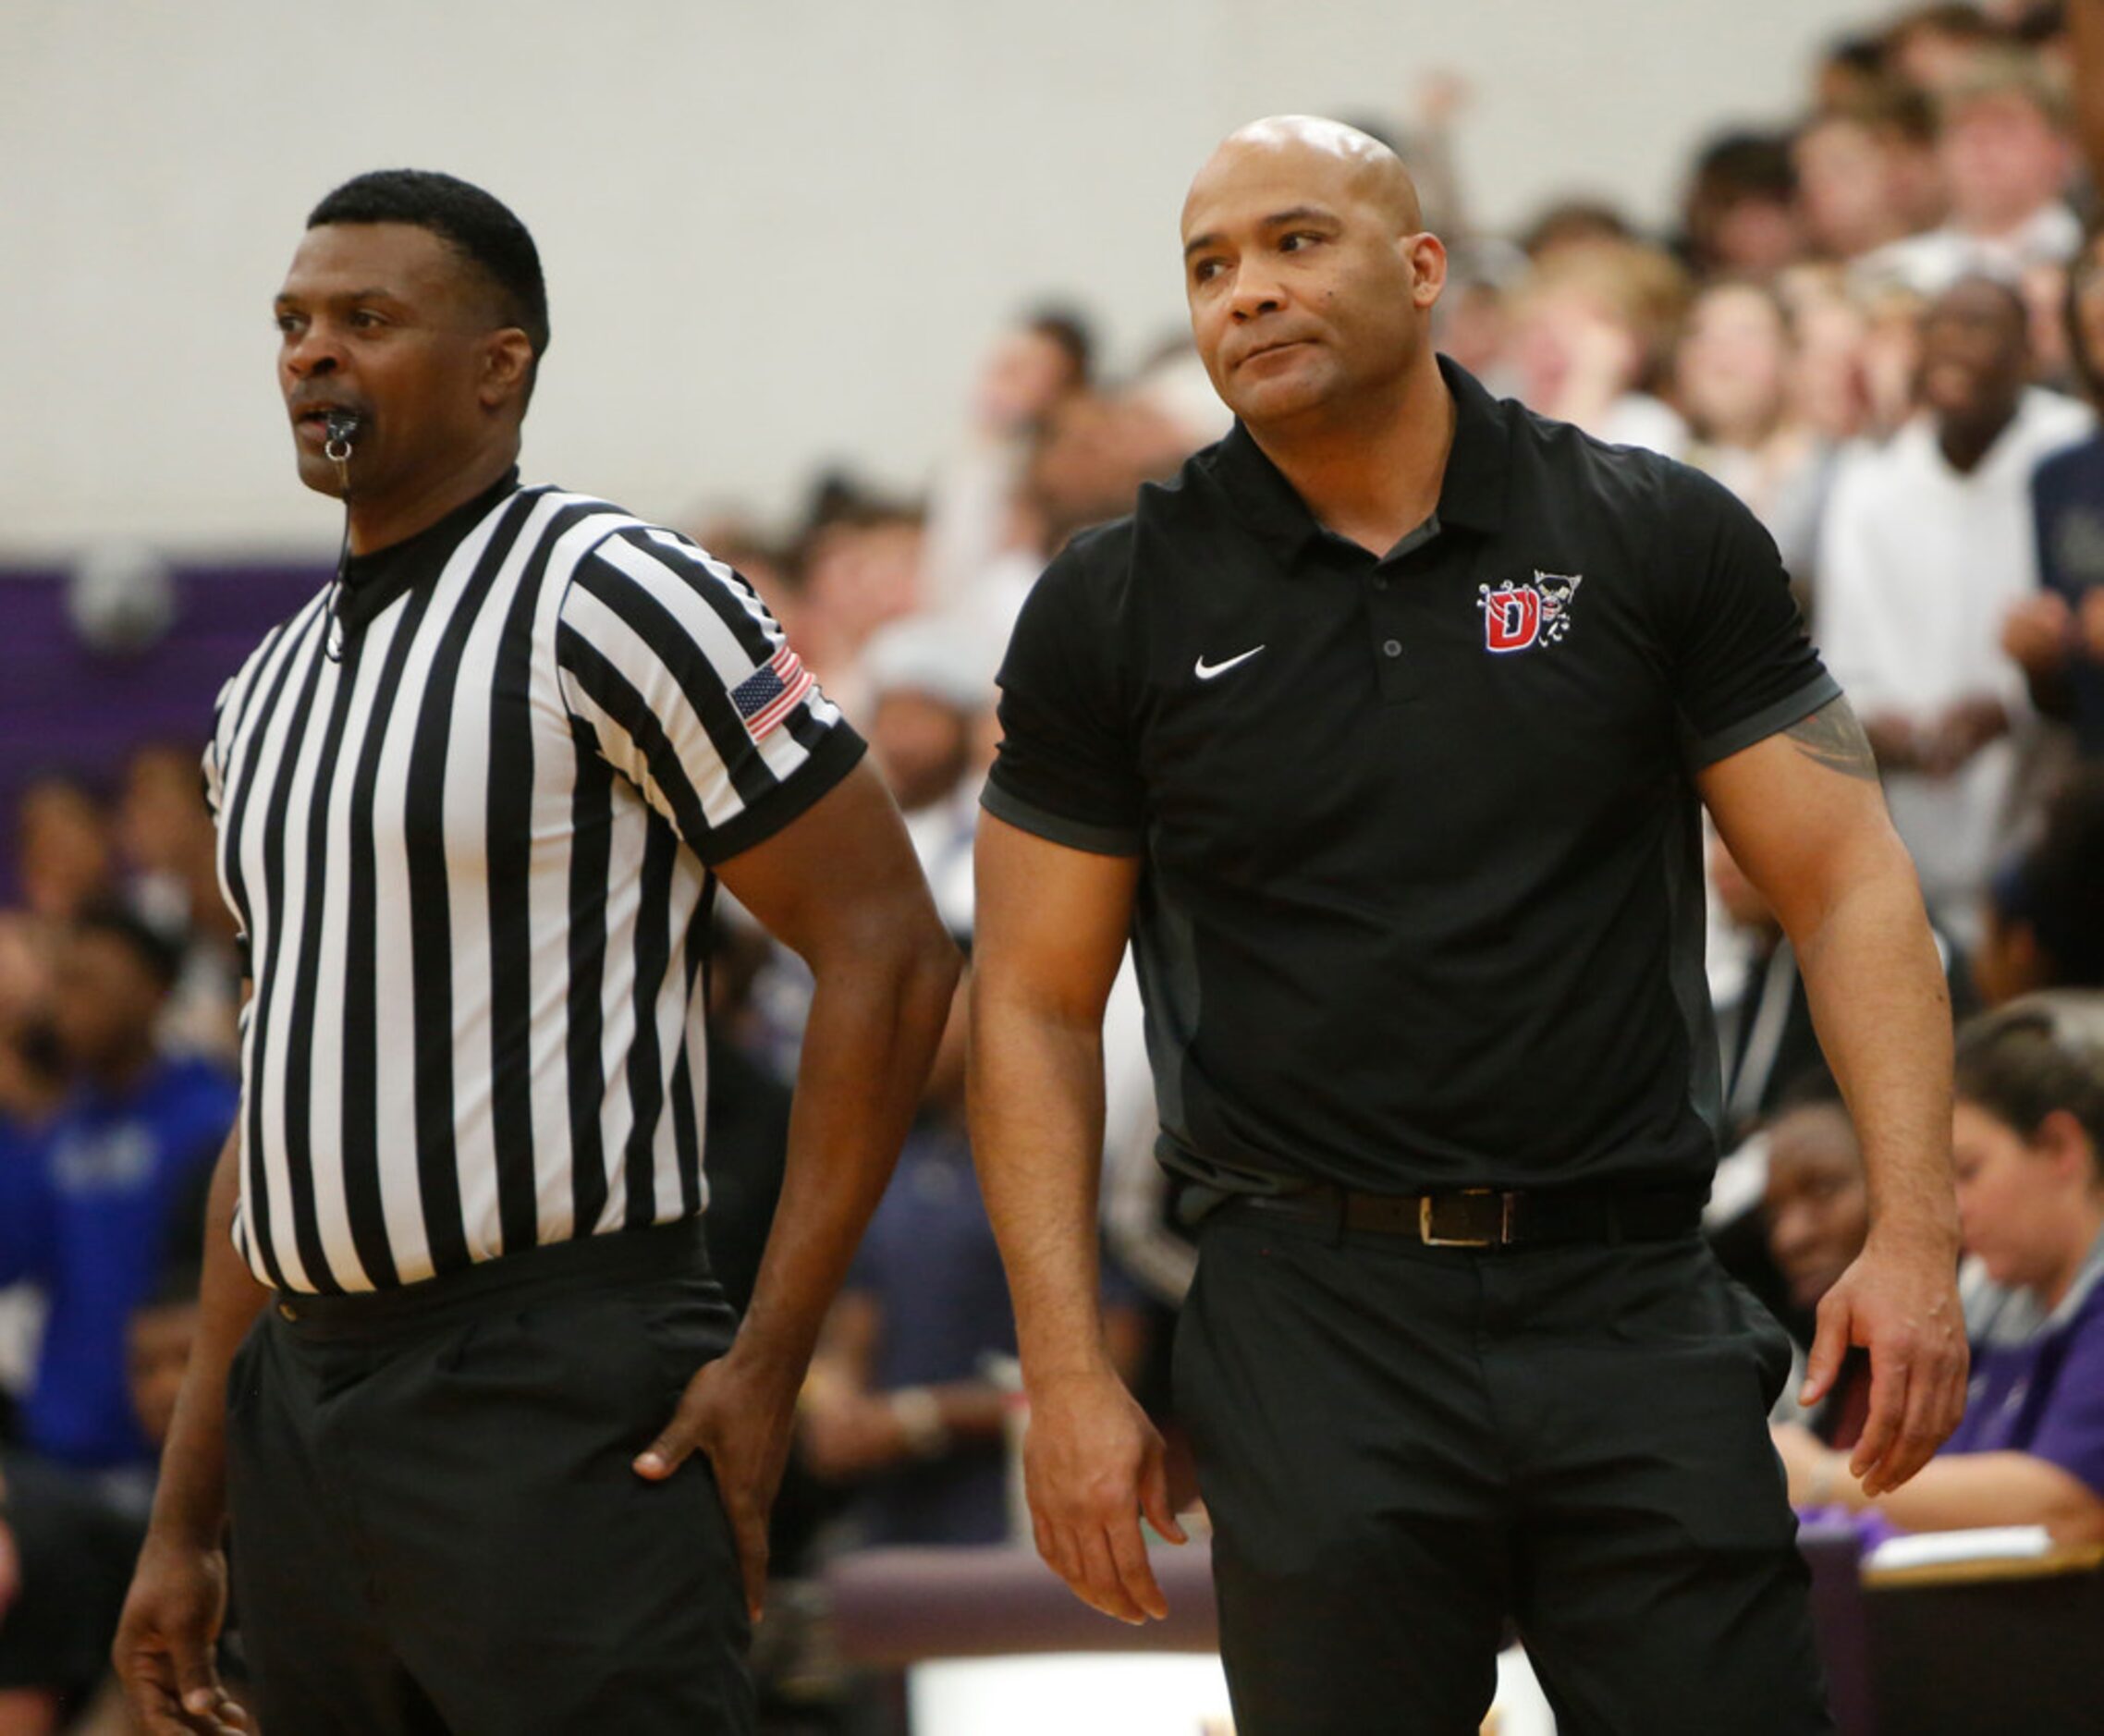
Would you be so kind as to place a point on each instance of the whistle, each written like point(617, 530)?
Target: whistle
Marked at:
point(342, 428)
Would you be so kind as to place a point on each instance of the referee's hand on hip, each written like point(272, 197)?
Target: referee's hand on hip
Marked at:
point(742, 1421)
point(1092, 1465)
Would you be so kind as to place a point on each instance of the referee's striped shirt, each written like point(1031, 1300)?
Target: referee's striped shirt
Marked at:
point(468, 810)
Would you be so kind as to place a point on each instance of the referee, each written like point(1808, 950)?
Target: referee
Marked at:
point(498, 1454)
point(1383, 730)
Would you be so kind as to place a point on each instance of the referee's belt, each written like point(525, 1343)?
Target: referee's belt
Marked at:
point(1491, 1217)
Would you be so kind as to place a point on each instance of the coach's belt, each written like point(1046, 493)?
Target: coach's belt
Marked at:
point(1492, 1218)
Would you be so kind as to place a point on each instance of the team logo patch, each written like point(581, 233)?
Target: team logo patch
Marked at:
point(1517, 617)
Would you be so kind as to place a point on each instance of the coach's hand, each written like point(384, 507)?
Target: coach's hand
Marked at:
point(1092, 1465)
point(1899, 1301)
point(740, 1411)
point(165, 1640)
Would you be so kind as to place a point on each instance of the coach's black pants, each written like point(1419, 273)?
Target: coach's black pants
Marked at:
point(435, 1527)
point(1401, 1447)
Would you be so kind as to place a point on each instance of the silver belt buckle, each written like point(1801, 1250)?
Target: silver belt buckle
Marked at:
point(1426, 1235)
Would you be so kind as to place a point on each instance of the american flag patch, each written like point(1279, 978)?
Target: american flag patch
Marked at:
point(771, 692)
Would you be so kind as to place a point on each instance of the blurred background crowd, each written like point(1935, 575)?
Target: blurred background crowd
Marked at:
point(1879, 320)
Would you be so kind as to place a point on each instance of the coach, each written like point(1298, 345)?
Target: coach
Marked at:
point(498, 1455)
point(1382, 729)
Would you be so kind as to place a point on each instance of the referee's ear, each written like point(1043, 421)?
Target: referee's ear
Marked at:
point(507, 371)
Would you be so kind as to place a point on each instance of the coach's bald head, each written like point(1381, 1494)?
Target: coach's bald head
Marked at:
point(1310, 276)
point(1315, 150)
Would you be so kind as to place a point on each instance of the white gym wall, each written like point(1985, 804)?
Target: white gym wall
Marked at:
point(776, 233)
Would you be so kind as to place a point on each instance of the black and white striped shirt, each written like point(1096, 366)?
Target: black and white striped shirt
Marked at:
point(468, 813)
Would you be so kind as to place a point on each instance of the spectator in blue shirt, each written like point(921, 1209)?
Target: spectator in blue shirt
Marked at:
point(900, 1405)
point(2058, 635)
point(85, 1207)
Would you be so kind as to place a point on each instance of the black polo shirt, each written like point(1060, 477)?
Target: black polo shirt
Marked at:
point(1422, 898)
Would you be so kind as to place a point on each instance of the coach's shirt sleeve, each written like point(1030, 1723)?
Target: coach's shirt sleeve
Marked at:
point(1742, 664)
point(688, 689)
point(1066, 770)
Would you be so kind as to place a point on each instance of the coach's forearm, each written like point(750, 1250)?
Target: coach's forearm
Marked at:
point(1883, 1014)
point(1038, 1140)
point(876, 1015)
point(190, 1505)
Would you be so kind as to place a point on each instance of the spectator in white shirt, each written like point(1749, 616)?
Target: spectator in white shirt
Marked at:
point(1927, 544)
point(927, 683)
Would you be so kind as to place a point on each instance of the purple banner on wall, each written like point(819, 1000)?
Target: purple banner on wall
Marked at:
point(68, 708)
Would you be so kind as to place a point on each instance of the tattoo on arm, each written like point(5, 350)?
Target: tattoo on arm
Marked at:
point(1833, 737)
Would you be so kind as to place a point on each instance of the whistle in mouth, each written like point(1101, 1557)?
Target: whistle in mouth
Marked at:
point(342, 428)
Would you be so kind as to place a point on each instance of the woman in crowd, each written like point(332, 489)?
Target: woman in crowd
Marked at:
point(2027, 1137)
point(1734, 372)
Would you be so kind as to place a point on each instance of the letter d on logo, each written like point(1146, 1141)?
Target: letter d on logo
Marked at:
point(1511, 618)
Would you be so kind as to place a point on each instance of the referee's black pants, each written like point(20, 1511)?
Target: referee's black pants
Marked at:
point(435, 1526)
point(1401, 1447)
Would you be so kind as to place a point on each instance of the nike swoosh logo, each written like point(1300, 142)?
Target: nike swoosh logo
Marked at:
point(1207, 671)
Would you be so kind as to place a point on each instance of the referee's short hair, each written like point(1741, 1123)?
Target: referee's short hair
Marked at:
point(478, 226)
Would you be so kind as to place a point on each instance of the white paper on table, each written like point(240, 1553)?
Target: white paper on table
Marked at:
point(1986, 1542)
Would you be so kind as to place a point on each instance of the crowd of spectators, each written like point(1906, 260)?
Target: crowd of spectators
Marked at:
point(119, 989)
point(1881, 322)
